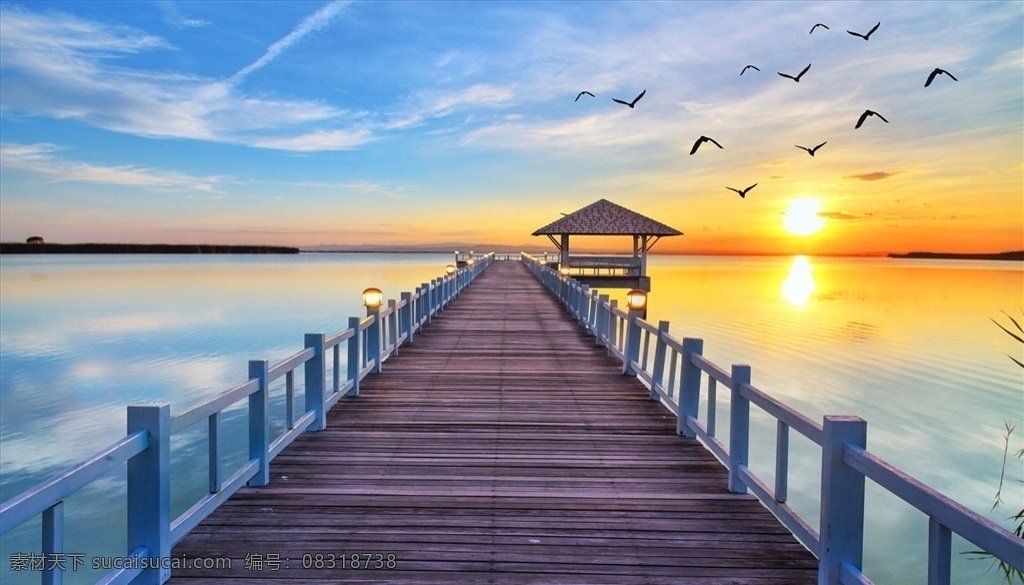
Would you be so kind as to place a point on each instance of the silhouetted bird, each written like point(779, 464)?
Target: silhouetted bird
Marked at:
point(816, 26)
point(865, 37)
point(931, 76)
point(811, 151)
point(797, 78)
point(865, 115)
point(581, 94)
point(702, 140)
point(632, 103)
point(743, 193)
point(748, 67)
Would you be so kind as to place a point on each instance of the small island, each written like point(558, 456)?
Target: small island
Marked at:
point(91, 248)
point(1017, 255)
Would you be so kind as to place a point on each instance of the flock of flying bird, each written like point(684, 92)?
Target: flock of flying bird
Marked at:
point(860, 121)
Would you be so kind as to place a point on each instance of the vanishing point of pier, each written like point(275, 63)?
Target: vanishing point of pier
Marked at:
point(502, 446)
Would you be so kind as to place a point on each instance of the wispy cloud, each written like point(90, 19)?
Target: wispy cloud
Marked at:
point(64, 67)
point(837, 215)
point(875, 176)
point(40, 160)
point(314, 22)
point(434, 104)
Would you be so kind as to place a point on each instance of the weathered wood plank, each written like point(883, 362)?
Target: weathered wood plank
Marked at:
point(501, 446)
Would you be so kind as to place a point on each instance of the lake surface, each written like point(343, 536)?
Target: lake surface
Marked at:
point(908, 345)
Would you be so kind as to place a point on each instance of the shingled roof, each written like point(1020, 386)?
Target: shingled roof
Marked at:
point(604, 218)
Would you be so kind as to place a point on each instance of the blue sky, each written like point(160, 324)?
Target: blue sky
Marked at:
point(306, 123)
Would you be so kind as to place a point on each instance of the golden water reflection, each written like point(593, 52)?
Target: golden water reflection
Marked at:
point(799, 285)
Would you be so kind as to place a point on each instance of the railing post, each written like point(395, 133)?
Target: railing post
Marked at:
point(355, 361)
point(602, 320)
point(689, 386)
point(842, 499)
point(781, 462)
point(584, 305)
point(316, 380)
point(149, 489)
point(613, 326)
point(393, 324)
point(425, 303)
point(939, 551)
point(632, 353)
point(259, 421)
point(592, 308)
point(373, 339)
point(405, 321)
point(53, 544)
point(739, 429)
point(660, 349)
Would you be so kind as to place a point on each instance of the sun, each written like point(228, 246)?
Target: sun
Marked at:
point(802, 218)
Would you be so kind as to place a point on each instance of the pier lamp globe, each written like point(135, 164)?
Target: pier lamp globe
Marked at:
point(373, 298)
point(564, 271)
point(636, 300)
point(470, 262)
point(450, 269)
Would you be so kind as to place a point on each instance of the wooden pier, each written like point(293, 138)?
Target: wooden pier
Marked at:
point(501, 446)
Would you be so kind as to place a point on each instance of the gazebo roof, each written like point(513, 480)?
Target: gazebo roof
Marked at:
point(604, 218)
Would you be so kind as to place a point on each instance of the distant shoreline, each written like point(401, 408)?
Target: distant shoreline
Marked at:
point(1017, 255)
point(98, 248)
point(23, 248)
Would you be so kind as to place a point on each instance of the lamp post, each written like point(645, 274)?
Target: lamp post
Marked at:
point(450, 270)
point(636, 301)
point(373, 298)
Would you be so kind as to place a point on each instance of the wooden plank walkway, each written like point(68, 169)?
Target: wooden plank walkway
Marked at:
point(502, 446)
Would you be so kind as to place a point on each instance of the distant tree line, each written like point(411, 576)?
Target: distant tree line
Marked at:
point(38, 247)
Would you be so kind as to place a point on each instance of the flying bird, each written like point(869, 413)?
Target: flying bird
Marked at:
point(702, 140)
point(581, 95)
point(811, 151)
point(748, 67)
point(797, 78)
point(632, 103)
point(743, 193)
point(865, 37)
point(816, 26)
point(866, 114)
point(931, 76)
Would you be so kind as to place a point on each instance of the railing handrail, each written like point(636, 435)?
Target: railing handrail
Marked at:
point(371, 340)
point(846, 462)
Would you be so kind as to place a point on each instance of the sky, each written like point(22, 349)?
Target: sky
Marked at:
point(446, 124)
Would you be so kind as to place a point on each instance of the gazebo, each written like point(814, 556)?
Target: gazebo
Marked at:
point(604, 218)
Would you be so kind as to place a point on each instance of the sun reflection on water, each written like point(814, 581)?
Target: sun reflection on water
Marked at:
point(799, 285)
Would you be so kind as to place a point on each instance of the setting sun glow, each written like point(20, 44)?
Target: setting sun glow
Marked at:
point(802, 217)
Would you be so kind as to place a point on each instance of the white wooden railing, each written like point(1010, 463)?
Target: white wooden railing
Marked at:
point(146, 449)
point(675, 370)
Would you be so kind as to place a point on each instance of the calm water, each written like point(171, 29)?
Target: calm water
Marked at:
point(907, 345)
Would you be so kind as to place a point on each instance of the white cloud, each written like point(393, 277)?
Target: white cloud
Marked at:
point(39, 160)
point(319, 140)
